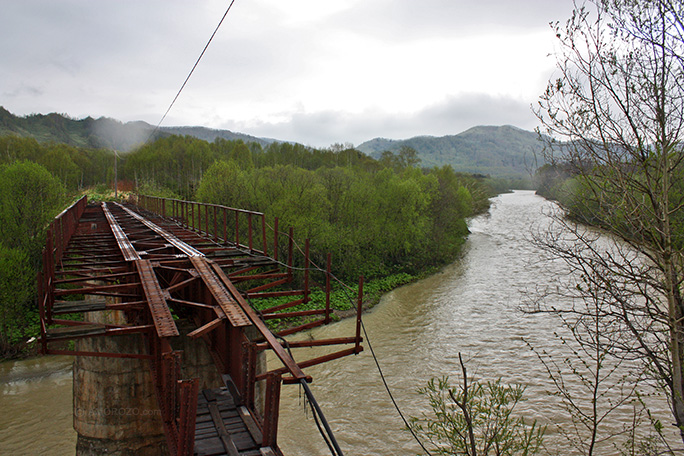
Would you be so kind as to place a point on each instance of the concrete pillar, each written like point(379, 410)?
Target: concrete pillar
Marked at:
point(115, 405)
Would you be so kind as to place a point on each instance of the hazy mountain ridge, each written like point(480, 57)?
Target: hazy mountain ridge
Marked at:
point(103, 132)
point(210, 134)
point(503, 151)
point(499, 151)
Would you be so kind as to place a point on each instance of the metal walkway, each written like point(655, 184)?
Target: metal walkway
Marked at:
point(168, 258)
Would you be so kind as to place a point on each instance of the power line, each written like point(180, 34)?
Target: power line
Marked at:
point(192, 70)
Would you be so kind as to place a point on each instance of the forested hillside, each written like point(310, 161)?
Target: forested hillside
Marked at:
point(377, 218)
point(501, 152)
point(102, 132)
point(497, 151)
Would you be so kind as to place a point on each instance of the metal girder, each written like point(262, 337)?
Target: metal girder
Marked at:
point(153, 264)
point(232, 310)
point(161, 314)
point(170, 238)
point(127, 249)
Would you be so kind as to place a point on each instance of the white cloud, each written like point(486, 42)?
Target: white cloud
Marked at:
point(305, 70)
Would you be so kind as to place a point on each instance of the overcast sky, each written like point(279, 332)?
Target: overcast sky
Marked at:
point(313, 71)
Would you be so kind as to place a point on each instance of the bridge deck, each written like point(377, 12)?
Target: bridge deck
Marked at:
point(226, 427)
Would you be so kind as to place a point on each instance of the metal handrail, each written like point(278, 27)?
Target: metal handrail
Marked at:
point(58, 234)
point(190, 214)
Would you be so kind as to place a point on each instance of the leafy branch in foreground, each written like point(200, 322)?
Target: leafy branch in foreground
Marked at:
point(476, 418)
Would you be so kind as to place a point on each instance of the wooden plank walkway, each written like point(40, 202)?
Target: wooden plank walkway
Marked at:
point(225, 427)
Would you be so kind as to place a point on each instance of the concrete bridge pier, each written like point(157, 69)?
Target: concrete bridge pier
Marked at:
point(115, 405)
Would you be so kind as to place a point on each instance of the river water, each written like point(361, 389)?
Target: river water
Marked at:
point(417, 332)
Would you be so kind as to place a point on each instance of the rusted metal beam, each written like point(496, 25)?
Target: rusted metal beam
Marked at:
point(313, 343)
point(304, 327)
point(230, 307)
point(300, 313)
point(127, 249)
point(92, 272)
point(187, 415)
point(279, 351)
point(264, 276)
point(170, 238)
point(94, 277)
point(180, 285)
point(328, 275)
point(271, 411)
point(274, 294)
point(309, 363)
point(282, 306)
point(202, 330)
point(266, 286)
point(159, 309)
point(359, 310)
point(101, 264)
point(199, 305)
point(94, 288)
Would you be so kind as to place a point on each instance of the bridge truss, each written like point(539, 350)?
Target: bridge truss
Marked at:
point(162, 259)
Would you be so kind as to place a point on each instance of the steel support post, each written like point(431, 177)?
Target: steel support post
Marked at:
point(249, 228)
point(271, 409)
point(275, 239)
point(359, 309)
point(263, 234)
point(187, 392)
point(290, 255)
point(306, 270)
point(328, 267)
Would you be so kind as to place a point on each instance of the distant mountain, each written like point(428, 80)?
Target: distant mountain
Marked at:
point(210, 134)
point(103, 132)
point(498, 151)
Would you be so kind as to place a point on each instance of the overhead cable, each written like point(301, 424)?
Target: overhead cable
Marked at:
point(192, 70)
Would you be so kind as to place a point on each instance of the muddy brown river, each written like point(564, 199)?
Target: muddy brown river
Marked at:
point(417, 331)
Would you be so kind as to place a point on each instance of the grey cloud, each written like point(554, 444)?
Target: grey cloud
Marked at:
point(452, 116)
point(126, 59)
point(23, 90)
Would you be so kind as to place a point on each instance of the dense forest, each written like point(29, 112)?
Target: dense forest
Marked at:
point(380, 218)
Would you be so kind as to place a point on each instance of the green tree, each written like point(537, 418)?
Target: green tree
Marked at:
point(57, 160)
point(225, 183)
point(476, 418)
point(407, 157)
point(29, 197)
point(17, 292)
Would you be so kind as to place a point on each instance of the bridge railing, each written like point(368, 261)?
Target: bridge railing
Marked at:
point(58, 234)
point(246, 229)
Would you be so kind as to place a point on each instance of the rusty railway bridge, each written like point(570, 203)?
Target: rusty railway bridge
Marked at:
point(157, 260)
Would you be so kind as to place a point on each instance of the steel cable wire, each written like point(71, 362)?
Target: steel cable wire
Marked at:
point(191, 71)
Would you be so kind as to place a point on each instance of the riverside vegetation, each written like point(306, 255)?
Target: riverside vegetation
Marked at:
point(387, 219)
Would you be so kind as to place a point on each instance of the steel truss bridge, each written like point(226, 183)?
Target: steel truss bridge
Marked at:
point(159, 259)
